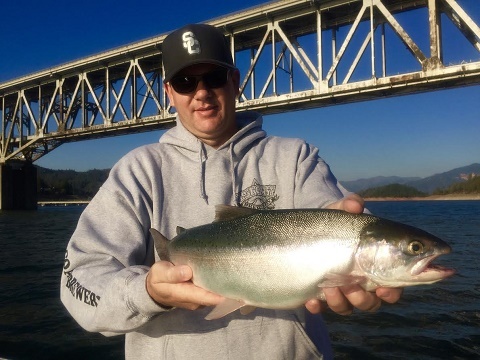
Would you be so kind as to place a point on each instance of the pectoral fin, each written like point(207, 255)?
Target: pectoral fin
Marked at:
point(224, 308)
point(247, 309)
point(335, 280)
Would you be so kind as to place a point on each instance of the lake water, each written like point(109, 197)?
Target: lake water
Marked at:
point(439, 321)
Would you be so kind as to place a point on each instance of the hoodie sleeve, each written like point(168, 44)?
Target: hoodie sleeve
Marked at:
point(109, 255)
point(315, 184)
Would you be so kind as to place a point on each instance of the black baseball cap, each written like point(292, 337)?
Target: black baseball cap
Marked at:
point(195, 44)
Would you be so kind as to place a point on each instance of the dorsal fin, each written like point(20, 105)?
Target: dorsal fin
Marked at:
point(228, 212)
point(180, 230)
point(161, 243)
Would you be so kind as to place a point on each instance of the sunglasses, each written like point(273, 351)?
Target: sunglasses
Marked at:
point(185, 84)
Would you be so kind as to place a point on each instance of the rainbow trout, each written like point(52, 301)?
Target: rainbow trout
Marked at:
point(279, 259)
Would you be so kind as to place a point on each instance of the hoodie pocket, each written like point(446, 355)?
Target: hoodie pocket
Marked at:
point(261, 338)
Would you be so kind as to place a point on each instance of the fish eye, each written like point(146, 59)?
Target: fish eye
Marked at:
point(415, 247)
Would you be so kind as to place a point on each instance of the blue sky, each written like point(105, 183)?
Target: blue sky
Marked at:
point(413, 135)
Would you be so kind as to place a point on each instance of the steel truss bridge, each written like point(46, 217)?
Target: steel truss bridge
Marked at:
point(292, 54)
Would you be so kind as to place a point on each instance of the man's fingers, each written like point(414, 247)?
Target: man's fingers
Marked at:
point(389, 295)
point(170, 286)
point(315, 306)
point(361, 299)
point(343, 300)
point(337, 301)
point(166, 272)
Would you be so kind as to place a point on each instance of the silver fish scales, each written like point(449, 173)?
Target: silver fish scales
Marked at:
point(279, 259)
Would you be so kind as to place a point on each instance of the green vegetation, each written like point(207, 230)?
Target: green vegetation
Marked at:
point(392, 190)
point(471, 186)
point(68, 184)
point(74, 185)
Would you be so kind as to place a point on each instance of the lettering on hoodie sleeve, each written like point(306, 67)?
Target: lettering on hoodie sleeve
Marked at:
point(78, 291)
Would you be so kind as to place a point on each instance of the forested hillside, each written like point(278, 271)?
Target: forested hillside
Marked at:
point(471, 186)
point(69, 184)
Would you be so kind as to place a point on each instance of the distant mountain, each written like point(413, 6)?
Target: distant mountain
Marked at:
point(444, 180)
point(364, 184)
point(392, 190)
point(426, 185)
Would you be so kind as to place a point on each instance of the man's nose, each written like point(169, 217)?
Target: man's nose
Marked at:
point(202, 89)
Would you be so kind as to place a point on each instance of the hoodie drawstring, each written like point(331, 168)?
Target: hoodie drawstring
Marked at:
point(203, 157)
point(234, 178)
point(202, 160)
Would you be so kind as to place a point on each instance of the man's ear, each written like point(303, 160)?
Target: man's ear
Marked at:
point(168, 90)
point(236, 81)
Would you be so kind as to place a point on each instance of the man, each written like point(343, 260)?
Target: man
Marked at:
point(112, 280)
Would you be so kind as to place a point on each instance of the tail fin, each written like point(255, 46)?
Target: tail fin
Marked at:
point(161, 243)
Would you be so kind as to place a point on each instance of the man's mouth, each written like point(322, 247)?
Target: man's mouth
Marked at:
point(206, 108)
point(207, 111)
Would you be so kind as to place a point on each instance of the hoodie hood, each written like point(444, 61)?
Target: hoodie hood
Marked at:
point(250, 131)
point(249, 123)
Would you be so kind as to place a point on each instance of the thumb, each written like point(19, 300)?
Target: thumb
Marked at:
point(352, 203)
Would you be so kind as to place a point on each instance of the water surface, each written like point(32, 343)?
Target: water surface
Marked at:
point(439, 321)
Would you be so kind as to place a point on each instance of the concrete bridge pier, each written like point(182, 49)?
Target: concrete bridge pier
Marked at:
point(18, 186)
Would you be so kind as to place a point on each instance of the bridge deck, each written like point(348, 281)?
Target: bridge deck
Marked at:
point(292, 54)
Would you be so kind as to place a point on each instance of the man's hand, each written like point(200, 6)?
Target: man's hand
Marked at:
point(171, 286)
point(351, 203)
point(343, 300)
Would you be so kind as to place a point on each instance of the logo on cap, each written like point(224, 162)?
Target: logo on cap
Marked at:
point(191, 43)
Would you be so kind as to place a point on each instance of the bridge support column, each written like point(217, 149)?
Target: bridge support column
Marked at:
point(18, 186)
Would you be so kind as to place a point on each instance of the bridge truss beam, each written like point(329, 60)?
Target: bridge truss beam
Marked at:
point(292, 54)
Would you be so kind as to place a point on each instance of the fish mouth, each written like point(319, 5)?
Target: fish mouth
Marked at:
point(425, 271)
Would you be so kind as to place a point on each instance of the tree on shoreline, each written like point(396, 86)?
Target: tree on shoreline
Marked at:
point(69, 184)
point(471, 186)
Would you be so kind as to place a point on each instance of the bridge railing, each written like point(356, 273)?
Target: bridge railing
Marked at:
point(292, 54)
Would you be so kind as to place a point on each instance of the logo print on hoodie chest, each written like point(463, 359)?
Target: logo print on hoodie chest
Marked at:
point(257, 196)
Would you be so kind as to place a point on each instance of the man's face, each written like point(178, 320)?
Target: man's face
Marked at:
point(208, 113)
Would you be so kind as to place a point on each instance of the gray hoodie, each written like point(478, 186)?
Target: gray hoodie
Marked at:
point(177, 182)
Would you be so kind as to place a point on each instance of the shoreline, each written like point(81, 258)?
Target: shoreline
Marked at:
point(449, 197)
